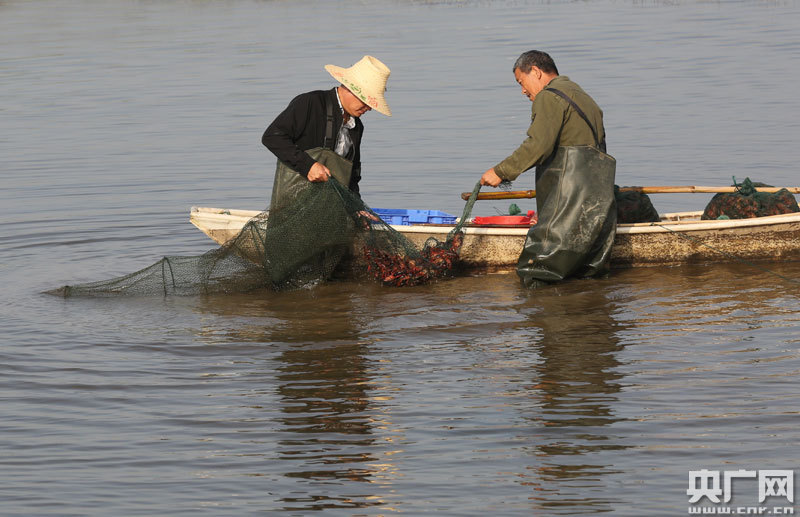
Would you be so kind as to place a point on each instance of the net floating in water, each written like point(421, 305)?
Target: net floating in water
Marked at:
point(295, 246)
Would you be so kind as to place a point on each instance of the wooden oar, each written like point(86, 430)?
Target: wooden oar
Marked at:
point(527, 194)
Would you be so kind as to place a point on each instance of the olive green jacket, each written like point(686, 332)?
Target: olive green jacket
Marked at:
point(554, 123)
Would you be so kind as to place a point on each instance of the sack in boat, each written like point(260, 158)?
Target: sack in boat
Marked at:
point(634, 207)
point(748, 202)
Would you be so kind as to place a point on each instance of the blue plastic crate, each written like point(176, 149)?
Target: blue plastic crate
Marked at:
point(409, 217)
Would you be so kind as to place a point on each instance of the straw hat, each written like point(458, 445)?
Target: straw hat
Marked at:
point(367, 80)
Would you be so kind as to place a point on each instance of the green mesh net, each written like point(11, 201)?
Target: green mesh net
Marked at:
point(325, 231)
point(634, 207)
point(748, 202)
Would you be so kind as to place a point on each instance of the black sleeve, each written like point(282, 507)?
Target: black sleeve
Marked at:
point(354, 179)
point(285, 130)
point(356, 134)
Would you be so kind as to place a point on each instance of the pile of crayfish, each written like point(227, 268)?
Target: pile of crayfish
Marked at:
point(434, 261)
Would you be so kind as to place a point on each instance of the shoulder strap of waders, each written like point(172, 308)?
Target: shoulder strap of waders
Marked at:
point(600, 145)
point(328, 142)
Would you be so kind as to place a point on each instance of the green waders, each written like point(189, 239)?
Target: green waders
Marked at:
point(577, 217)
point(310, 217)
point(288, 182)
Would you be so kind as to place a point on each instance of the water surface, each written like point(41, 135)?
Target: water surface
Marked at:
point(471, 396)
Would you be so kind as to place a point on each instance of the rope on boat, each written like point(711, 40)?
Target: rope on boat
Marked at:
point(729, 255)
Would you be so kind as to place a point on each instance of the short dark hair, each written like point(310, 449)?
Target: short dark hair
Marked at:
point(537, 58)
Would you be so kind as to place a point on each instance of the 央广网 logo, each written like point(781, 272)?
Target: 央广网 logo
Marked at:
point(713, 486)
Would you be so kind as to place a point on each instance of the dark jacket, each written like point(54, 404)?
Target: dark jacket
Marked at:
point(301, 126)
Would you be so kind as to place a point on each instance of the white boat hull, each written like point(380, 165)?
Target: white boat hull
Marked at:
point(679, 238)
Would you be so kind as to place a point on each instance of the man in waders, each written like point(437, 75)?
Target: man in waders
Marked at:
point(317, 139)
point(318, 136)
point(574, 177)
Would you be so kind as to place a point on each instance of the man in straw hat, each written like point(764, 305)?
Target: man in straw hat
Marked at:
point(318, 136)
point(574, 176)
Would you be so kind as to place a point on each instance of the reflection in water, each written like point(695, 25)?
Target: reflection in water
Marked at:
point(576, 383)
point(710, 356)
point(326, 413)
point(379, 397)
point(325, 387)
point(324, 393)
point(323, 381)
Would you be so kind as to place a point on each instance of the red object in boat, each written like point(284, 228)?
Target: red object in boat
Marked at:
point(506, 220)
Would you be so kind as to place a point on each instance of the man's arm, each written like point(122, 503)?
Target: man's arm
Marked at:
point(548, 118)
point(280, 136)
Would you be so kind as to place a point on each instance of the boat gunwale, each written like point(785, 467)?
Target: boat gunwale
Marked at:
point(671, 222)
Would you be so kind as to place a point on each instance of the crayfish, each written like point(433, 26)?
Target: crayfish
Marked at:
point(434, 261)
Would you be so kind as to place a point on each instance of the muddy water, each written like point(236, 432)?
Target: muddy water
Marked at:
point(466, 397)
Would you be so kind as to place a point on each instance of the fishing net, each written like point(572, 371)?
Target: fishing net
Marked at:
point(748, 202)
point(327, 229)
point(634, 207)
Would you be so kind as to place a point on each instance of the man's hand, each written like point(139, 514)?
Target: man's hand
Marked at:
point(318, 172)
point(367, 215)
point(491, 178)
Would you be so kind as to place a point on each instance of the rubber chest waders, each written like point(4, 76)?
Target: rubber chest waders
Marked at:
point(577, 214)
point(311, 254)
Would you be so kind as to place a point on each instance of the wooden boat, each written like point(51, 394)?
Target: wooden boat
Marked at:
point(678, 238)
